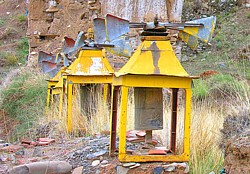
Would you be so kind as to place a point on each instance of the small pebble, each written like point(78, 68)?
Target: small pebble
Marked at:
point(95, 163)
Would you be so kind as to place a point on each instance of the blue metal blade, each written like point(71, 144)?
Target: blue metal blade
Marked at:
point(116, 27)
point(99, 30)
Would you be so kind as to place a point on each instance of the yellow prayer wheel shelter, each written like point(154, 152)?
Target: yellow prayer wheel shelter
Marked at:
point(151, 68)
point(91, 67)
point(51, 90)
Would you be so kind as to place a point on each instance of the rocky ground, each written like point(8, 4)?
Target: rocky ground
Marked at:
point(83, 155)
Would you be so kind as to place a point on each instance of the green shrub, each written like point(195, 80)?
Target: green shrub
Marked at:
point(21, 18)
point(24, 101)
point(10, 59)
point(220, 86)
point(23, 50)
point(225, 85)
point(200, 90)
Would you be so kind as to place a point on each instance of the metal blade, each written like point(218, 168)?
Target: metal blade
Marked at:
point(203, 33)
point(48, 66)
point(68, 45)
point(99, 30)
point(80, 41)
point(122, 47)
point(116, 27)
point(43, 56)
point(54, 72)
point(191, 41)
point(65, 60)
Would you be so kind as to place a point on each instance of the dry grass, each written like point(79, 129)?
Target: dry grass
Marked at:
point(206, 122)
point(96, 122)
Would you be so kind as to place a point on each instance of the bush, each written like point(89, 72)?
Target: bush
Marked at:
point(24, 101)
point(10, 59)
point(220, 86)
point(23, 50)
point(21, 18)
point(200, 90)
point(225, 85)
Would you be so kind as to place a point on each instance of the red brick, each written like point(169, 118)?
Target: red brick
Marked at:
point(157, 152)
point(24, 145)
point(26, 142)
point(43, 143)
point(46, 140)
point(30, 146)
point(33, 143)
point(135, 139)
point(11, 148)
point(141, 133)
point(34, 160)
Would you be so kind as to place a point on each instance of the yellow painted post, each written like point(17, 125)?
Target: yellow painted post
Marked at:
point(123, 122)
point(110, 122)
point(187, 124)
point(48, 99)
point(105, 94)
point(60, 104)
point(69, 109)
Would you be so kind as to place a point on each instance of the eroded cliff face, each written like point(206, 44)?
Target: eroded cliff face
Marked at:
point(51, 20)
point(49, 24)
point(136, 10)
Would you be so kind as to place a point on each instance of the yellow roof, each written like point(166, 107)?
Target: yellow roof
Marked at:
point(90, 62)
point(153, 58)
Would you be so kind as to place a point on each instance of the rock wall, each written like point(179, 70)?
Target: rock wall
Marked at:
point(236, 141)
point(48, 24)
point(135, 10)
point(237, 158)
point(49, 21)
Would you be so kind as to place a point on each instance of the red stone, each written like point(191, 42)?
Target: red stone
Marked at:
point(157, 152)
point(46, 140)
point(24, 145)
point(11, 148)
point(43, 143)
point(135, 139)
point(34, 160)
point(141, 133)
point(33, 143)
point(26, 142)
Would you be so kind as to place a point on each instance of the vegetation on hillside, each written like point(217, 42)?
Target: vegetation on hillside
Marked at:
point(23, 102)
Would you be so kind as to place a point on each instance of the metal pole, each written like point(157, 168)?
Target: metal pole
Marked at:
point(174, 120)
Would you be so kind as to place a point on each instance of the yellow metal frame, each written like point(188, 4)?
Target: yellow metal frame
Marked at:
point(53, 88)
point(84, 70)
point(72, 79)
point(154, 65)
point(158, 82)
point(49, 99)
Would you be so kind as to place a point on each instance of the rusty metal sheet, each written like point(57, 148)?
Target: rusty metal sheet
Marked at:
point(43, 56)
point(68, 45)
point(48, 66)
